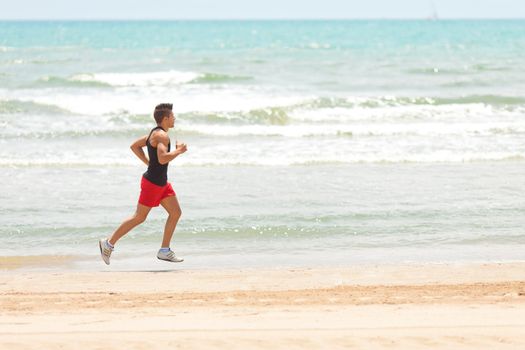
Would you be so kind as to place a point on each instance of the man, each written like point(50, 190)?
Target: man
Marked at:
point(155, 188)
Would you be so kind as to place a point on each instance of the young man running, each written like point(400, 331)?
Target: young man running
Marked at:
point(155, 188)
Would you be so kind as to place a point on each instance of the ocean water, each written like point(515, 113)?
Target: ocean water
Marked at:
point(310, 142)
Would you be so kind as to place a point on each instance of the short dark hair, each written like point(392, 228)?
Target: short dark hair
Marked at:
point(162, 110)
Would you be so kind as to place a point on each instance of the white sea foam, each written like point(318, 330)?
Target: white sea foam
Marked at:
point(423, 129)
point(274, 160)
point(401, 113)
point(140, 100)
point(246, 123)
point(168, 78)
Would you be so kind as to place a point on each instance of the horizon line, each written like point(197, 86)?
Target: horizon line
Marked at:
point(430, 19)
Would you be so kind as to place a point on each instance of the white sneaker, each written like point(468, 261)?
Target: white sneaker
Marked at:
point(105, 250)
point(168, 256)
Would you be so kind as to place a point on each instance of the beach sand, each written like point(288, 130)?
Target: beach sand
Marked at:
point(438, 306)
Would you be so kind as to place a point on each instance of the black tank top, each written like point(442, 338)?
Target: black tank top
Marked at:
point(157, 173)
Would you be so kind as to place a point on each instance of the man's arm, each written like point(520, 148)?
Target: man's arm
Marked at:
point(162, 149)
point(137, 146)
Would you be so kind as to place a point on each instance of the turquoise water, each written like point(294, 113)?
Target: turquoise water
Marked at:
point(310, 142)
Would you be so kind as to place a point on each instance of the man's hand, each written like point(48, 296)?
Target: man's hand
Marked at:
point(181, 148)
point(162, 149)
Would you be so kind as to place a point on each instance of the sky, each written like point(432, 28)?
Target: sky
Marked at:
point(258, 9)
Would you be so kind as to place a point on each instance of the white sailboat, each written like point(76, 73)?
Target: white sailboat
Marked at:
point(434, 15)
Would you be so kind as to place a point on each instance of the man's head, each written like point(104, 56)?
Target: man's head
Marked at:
point(163, 114)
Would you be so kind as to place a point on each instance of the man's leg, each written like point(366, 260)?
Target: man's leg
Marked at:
point(138, 218)
point(171, 204)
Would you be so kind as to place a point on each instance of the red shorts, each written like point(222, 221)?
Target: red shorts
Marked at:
point(151, 194)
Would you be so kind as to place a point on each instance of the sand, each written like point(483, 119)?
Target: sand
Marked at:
point(452, 306)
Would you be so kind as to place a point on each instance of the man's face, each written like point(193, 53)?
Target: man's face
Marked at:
point(171, 120)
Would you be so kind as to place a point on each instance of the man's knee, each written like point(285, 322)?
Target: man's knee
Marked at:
point(139, 218)
point(176, 213)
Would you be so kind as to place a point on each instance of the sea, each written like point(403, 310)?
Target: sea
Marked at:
point(310, 143)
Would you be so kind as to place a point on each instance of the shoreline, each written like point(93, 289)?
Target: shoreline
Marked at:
point(374, 307)
point(408, 273)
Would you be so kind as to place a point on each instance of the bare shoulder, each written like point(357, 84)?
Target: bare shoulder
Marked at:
point(159, 136)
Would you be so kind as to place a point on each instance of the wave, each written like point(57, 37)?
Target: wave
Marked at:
point(392, 101)
point(137, 79)
point(497, 100)
point(436, 71)
point(246, 106)
point(169, 78)
point(210, 78)
point(373, 102)
point(264, 116)
point(358, 130)
point(346, 111)
point(55, 81)
point(13, 62)
point(84, 162)
point(473, 69)
point(22, 107)
point(191, 98)
point(35, 61)
point(466, 83)
point(134, 126)
point(51, 61)
point(129, 132)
